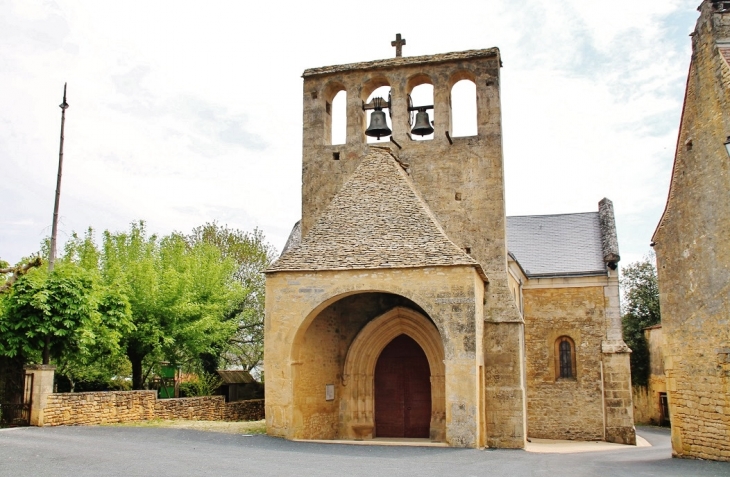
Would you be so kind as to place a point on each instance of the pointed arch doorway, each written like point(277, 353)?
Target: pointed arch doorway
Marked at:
point(359, 376)
point(402, 390)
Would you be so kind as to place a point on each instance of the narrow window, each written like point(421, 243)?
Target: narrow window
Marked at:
point(464, 109)
point(565, 358)
point(338, 110)
point(566, 365)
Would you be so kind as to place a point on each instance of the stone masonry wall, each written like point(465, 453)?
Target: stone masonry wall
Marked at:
point(618, 401)
point(647, 404)
point(313, 317)
point(693, 256)
point(108, 407)
point(564, 408)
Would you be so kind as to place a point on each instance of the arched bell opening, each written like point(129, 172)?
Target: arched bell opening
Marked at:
point(335, 113)
point(464, 108)
point(319, 355)
point(421, 105)
point(378, 122)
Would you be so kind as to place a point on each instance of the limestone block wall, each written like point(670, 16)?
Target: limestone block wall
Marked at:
point(318, 315)
point(619, 409)
point(503, 393)
point(693, 258)
point(202, 408)
point(108, 407)
point(644, 412)
point(72, 409)
point(564, 408)
point(647, 404)
point(251, 410)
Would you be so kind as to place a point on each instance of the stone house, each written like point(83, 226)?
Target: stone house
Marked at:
point(692, 244)
point(395, 309)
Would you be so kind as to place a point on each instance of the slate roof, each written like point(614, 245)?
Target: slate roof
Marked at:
point(557, 245)
point(376, 220)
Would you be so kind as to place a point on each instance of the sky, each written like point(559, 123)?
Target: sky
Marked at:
point(184, 112)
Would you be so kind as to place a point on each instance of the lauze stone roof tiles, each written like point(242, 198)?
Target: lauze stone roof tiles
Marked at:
point(377, 220)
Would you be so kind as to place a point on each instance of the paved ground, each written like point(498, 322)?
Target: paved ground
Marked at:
point(147, 451)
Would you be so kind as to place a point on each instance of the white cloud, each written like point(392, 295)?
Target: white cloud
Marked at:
point(183, 112)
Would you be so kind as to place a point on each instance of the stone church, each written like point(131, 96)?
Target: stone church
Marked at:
point(407, 305)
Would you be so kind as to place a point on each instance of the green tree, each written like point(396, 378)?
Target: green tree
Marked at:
point(178, 295)
point(640, 309)
point(98, 363)
point(57, 305)
point(252, 255)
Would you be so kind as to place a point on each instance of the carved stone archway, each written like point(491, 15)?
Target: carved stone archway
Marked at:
point(359, 370)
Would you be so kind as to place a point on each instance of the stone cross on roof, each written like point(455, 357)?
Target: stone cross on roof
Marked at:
point(398, 44)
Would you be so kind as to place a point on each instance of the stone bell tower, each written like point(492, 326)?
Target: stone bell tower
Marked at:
point(415, 226)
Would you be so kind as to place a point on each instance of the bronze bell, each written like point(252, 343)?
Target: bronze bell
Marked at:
point(378, 126)
point(423, 124)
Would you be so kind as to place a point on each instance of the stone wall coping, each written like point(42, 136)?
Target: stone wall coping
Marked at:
point(96, 393)
point(39, 367)
point(403, 61)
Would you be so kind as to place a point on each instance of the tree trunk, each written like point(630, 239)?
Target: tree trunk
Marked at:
point(47, 350)
point(136, 371)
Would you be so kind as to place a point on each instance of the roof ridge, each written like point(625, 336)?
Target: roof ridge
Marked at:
point(554, 215)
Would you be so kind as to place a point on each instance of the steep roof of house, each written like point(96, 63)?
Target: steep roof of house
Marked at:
point(557, 245)
point(376, 220)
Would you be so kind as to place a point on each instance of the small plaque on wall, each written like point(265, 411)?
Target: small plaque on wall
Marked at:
point(329, 392)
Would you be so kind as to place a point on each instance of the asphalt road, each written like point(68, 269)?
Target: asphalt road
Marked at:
point(135, 451)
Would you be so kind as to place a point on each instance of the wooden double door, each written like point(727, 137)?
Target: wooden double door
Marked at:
point(402, 390)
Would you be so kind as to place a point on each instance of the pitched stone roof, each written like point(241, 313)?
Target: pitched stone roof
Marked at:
point(377, 220)
point(403, 61)
point(557, 245)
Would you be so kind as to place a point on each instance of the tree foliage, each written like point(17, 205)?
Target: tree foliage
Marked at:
point(71, 310)
point(640, 309)
point(251, 255)
point(192, 300)
point(178, 293)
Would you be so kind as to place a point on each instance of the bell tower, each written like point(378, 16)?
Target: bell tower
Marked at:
point(460, 179)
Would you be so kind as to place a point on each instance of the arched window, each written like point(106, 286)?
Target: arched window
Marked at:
point(335, 113)
point(464, 108)
point(565, 358)
point(338, 110)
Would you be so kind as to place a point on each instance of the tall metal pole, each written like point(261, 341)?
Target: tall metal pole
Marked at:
point(54, 228)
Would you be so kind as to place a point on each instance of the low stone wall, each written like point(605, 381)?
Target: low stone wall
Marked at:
point(129, 406)
point(203, 408)
point(252, 410)
point(99, 407)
